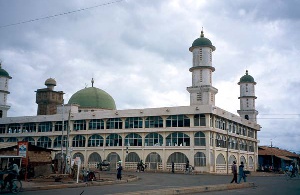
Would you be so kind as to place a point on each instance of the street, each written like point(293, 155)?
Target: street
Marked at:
point(149, 181)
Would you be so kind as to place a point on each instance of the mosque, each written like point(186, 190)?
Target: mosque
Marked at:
point(90, 126)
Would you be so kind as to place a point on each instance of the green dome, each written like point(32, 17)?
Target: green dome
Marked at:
point(3, 73)
point(247, 78)
point(93, 97)
point(202, 42)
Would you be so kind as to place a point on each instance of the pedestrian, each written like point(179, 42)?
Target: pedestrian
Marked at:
point(119, 171)
point(234, 172)
point(173, 167)
point(187, 166)
point(85, 174)
point(242, 173)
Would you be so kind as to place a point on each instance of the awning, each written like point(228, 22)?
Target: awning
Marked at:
point(284, 158)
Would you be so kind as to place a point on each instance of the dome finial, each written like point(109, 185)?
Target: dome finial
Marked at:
point(202, 34)
point(92, 82)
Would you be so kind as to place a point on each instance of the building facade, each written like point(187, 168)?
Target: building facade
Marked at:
point(92, 128)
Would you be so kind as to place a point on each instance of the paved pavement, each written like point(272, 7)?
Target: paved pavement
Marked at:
point(109, 178)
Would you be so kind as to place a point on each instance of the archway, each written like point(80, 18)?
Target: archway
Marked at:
point(154, 161)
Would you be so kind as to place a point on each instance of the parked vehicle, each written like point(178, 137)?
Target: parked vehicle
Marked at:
point(104, 165)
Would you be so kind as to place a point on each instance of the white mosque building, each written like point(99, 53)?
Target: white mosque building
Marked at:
point(207, 136)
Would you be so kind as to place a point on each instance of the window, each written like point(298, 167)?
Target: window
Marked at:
point(211, 139)
point(12, 139)
point(14, 128)
point(95, 141)
point(114, 123)
point(221, 141)
point(58, 126)
point(153, 139)
point(29, 140)
point(57, 142)
point(199, 120)
point(200, 159)
point(133, 123)
point(96, 124)
point(29, 127)
point(153, 122)
point(199, 139)
point(78, 141)
point(133, 139)
point(79, 125)
point(45, 127)
point(2, 129)
point(177, 139)
point(1, 112)
point(114, 140)
point(44, 142)
point(178, 121)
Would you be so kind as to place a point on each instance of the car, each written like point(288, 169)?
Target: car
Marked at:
point(104, 165)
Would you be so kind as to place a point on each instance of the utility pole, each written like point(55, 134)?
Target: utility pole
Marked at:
point(62, 137)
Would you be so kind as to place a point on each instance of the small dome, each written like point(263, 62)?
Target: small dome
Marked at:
point(3, 72)
point(247, 78)
point(93, 97)
point(202, 42)
point(50, 81)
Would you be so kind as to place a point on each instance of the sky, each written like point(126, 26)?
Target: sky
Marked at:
point(138, 52)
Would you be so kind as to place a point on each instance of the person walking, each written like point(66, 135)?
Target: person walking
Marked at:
point(84, 174)
point(172, 166)
point(242, 173)
point(234, 172)
point(119, 171)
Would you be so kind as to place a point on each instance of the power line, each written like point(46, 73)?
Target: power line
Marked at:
point(60, 14)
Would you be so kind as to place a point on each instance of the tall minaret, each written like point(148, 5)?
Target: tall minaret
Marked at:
point(202, 92)
point(4, 78)
point(247, 98)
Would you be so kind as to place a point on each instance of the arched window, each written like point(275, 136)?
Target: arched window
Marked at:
point(114, 123)
point(199, 120)
point(57, 142)
point(96, 124)
point(78, 141)
point(178, 139)
point(177, 157)
point(133, 139)
point(153, 139)
point(79, 125)
point(113, 140)
point(152, 160)
point(94, 158)
point(45, 127)
point(12, 139)
point(246, 117)
point(95, 141)
point(133, 123)
point(44, 142)
point(221, 141)
point(80, 155)
point(200, 159)
point(29, 140)
point(132, 157)
point(178, 121)
point(220, 159)
point(153, 122)
point(199, 139)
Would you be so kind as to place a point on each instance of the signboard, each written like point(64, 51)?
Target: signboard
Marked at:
point(22, 149)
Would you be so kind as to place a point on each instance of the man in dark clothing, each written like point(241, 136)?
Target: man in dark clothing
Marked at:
point(234, 172)
point(172, 167)
point(242, 173)
point(119, 171)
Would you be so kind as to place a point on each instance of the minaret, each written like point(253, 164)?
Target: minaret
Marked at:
point(4, 78)
point(48, 99)
point(247, 98)
point(202, 92)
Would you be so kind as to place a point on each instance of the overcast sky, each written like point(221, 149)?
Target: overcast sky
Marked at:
point(138, 52)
